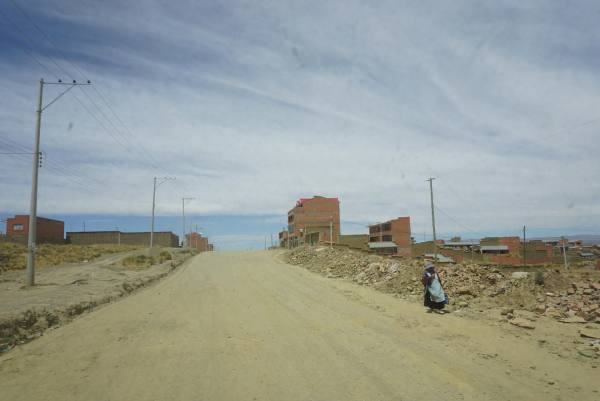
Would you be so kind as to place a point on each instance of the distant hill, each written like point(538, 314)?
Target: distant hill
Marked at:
point(587, 239)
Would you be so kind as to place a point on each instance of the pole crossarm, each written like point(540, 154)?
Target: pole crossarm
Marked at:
point(71, 86)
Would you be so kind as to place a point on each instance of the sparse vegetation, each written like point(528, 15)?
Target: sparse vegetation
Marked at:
point(13, 256)
point(138, 261)
point(164, 256)
point(539, 278)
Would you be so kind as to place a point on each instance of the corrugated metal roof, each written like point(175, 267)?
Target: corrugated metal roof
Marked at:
point(494, 247)
point(462, 243)
point(385, 244)
point(441, 258)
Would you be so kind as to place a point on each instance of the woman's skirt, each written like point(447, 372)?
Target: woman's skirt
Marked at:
point(432, 304)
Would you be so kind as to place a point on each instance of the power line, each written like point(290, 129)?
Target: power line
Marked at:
point(49, 164)
point(31, 52)
point(456, 221)
point(139, 146)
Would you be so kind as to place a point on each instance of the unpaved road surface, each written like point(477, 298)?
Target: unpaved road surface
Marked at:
point(245, 326)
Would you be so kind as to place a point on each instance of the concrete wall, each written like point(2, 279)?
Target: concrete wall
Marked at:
point(162, 238)
point(357, 241)
point(47, 230)
point(93, 237)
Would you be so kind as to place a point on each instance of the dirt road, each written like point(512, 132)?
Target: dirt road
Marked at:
point(245, 326)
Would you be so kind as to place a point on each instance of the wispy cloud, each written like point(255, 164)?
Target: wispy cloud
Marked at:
point(254, 105)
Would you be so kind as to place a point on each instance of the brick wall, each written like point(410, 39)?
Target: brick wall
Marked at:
point(397, 231)
point(162, 238)
point(358, 241)
point(197, 241)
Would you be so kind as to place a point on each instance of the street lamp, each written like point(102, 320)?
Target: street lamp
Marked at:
point(31, 240)
point(160, 181)
point(183, 200)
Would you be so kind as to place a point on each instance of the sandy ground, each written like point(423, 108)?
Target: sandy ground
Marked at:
point(246, 326)
point(65, 291)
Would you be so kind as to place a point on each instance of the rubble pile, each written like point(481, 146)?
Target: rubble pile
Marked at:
point(581, 300)
point(552, 294)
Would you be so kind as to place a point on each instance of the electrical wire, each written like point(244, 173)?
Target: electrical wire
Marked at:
point(146, 154)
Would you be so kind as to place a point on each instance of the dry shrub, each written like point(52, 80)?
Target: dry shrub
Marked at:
point(164, 256)
point(138, 261)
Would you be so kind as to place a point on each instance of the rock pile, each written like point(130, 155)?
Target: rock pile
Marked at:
point(466, 284)
point(581, 299)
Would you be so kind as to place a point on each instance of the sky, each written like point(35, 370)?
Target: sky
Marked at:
point(251, 105)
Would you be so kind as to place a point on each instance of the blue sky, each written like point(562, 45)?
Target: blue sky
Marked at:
point(252, 105)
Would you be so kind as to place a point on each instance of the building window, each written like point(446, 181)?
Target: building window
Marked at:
point(17, 227)
point(386, 238)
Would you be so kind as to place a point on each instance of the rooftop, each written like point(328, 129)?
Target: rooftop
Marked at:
point(494, 247)
point(384, 244)
point(462, 243)
point(302, 201)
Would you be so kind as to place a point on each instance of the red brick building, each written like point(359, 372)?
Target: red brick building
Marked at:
point(392, 237)
point(197, 241)
point(47, 230)
point(312, 219)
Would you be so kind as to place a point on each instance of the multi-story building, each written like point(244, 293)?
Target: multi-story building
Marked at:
point(314, 220)
point(197, 241)
point(47, 230)
point(501, 245)
point(283, 239)
point(391, 237)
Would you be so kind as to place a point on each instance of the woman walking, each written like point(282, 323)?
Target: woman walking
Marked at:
point(434, 296)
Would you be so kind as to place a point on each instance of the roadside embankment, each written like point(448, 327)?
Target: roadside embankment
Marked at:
point(63, 292)
point(13, 256)
point(527, 299)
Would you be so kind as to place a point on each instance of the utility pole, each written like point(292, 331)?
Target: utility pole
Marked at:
point(265, 242)
point(32, 237)
point(433, 221)
point(330, 232)
point(271, 240)
point(563, 240)
point(162, 180)
point(183, 242)
point(524, 247)
point(84, 226)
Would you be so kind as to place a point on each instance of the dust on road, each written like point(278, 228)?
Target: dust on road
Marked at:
point(246, 326)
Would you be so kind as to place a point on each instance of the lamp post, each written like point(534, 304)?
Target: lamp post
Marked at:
point(183, 200)
point(160, 181)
